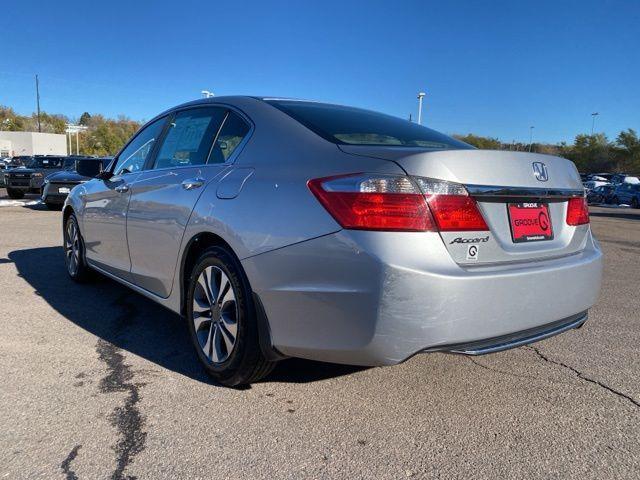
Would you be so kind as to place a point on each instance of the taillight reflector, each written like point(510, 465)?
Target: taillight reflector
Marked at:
point(577, 211)
point(456, 213)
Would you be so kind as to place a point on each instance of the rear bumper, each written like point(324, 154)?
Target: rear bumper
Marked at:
point(377, 298)
point(57, 198)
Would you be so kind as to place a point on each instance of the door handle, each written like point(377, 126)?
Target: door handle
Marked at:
point(192, 183)
point(122, 188)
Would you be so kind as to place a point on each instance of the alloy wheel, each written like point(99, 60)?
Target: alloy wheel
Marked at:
point(215, 314)
point(72, 247)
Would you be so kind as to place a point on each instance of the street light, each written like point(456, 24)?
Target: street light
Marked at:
point(421, 95)
point(207, 94)
point(593, 121)
point(531, 136)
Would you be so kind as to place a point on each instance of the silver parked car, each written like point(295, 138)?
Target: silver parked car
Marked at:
point(292, 228)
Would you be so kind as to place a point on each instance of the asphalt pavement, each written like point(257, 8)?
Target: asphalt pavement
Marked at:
point(97, 382)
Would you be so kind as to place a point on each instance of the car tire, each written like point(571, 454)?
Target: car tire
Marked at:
point(615, 201)
point(222, 320)
point(53, 206)
point(635, 203)
point(74, 251)
point(15, 194)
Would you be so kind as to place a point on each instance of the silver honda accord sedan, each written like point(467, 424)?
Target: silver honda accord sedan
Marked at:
point(286, 228)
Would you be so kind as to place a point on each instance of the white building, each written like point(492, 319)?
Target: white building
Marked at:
point(13, 144)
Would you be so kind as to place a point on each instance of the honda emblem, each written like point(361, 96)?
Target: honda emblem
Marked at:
point(540, 171)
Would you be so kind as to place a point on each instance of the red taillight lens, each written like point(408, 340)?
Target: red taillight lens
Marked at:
point(397, 203)
point(577, 211)
point(456, 213)
point(373, 203)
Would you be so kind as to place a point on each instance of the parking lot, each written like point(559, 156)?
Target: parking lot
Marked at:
point(99, 382)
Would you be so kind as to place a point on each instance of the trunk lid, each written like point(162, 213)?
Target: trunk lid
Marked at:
point(497, 179)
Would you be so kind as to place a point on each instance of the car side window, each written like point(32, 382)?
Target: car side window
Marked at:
point(132, 158)
point(189, 136)
point(233, 131)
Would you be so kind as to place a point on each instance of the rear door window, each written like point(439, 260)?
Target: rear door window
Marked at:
point(189, 137)
point(232, 133)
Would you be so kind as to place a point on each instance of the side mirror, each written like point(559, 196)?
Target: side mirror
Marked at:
point(89, 168)
point(104, 175)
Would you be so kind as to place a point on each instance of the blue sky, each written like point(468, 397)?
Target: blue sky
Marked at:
point(492, 68)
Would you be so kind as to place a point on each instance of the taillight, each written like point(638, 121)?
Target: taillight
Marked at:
point(373, 202)
point(397, 203)
point(577, 211)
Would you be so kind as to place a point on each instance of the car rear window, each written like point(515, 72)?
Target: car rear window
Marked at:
point(355, 126)
point(49, 162)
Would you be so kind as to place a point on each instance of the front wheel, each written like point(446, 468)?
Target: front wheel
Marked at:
point(222, 320)
point(74, 258)
point(15, 194)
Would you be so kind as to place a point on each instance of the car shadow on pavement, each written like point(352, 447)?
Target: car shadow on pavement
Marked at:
point(134, 323)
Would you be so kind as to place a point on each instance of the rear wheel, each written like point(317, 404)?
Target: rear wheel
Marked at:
point(635, 203)
point(74, 258)
point(615, 201)
point(222, 320)
point(15, 194)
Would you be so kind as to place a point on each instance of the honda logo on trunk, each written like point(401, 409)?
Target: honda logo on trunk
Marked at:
point(540, 171)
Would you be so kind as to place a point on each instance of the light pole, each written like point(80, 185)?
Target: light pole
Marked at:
point(531, 136)
point(421, 95)
point(207, 94)
point(593, 121)
point(38, 102)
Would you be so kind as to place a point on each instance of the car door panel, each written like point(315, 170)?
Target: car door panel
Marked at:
point(163, 198)
point(105, 204)
point(159, 212)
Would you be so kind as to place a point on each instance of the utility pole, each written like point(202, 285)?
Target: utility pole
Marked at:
point(593, 121)
point(531, 136)
point(421, 95)
point(38, 102)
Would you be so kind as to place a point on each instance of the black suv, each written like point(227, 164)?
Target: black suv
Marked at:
point(19, 181)
point(58, 185)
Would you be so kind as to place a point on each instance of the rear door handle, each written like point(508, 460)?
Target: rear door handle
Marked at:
point(122, 188)
point(192, 183)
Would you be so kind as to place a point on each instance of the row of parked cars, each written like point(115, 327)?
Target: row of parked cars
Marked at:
point(51, 176)
point(612, 189)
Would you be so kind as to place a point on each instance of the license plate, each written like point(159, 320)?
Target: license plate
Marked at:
point(63, 190)
point(530, 222)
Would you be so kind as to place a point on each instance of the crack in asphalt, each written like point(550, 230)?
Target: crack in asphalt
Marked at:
point(127, 418)
point(495, 370)
point(582, 376)
point(66, 464)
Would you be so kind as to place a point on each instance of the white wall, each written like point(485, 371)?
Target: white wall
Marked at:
point(34, 143)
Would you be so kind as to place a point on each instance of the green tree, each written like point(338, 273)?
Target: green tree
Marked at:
point(84, 118)
point(627, 151)
point(484, 143)
point(592, 153)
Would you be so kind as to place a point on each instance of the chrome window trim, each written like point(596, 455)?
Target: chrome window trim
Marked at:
point(497, 191)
